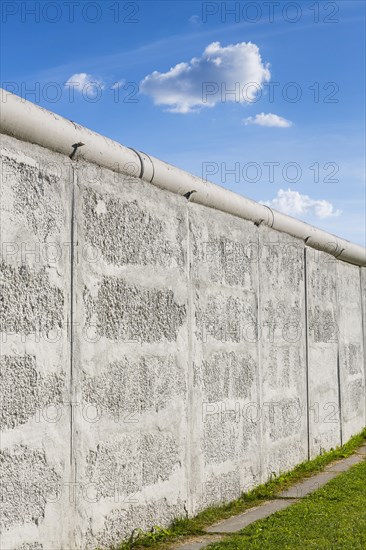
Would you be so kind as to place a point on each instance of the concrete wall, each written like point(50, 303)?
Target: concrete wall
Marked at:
point(35, 347)
point(157, 356)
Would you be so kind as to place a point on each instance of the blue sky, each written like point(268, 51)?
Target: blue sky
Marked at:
point(305, 157)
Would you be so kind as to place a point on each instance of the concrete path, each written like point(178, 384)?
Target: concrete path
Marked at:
point(283, 500)
point(237, 523)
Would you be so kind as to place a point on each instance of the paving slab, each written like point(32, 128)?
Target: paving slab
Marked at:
point(237, 523)
point(345, 463)
point(361, 450)
point(307, 486)
point(285, 499)
point(198, 543)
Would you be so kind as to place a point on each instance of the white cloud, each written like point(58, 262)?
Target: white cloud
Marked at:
point(204, 81)
point(194, 19)
point(293, 203)
point(268, 119)
point(81, 81)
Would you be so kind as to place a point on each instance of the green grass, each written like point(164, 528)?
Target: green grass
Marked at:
point(184, 528)
point(333, 517)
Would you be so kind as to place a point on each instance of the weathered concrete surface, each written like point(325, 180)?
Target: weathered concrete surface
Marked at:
point(363, 306)
point(130, 357)
point(282, 352)
point(35, 349)
point(323, 350)
point(351, 350)
point(224, 427)
point(187, 342)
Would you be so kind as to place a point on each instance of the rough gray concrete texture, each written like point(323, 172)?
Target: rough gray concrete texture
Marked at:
point(157, 356)
point(351, 350)
point(24, 392)
point(282, 351)
point(224, 426)
point(132, 302)
point(323, 352)
point(35, 348)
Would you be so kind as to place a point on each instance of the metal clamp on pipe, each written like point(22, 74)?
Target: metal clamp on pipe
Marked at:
point(25, 121)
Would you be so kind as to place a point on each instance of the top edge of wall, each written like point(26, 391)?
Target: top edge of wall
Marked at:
point(28, 122)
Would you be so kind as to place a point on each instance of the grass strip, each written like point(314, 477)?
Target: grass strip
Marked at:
point(159, 538)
